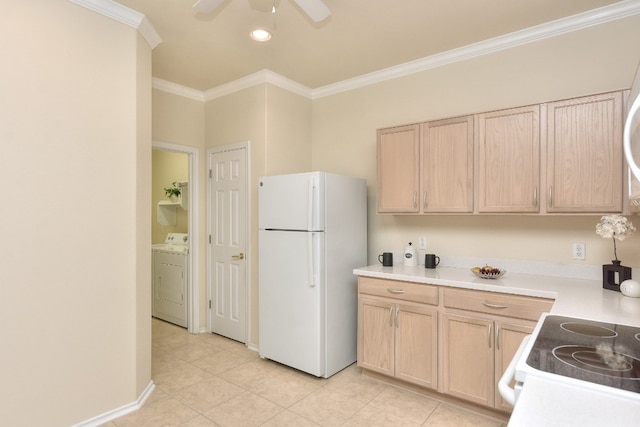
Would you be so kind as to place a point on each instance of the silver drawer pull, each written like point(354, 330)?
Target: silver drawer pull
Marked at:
point(492, 305)
point(395, 291)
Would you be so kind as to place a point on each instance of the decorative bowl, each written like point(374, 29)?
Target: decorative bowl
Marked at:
point(494, 273)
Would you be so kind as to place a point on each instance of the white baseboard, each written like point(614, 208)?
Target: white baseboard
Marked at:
point(119, 412)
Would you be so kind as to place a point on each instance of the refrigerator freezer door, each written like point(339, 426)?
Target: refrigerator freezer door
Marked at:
point(291, 202)
point(291, 295)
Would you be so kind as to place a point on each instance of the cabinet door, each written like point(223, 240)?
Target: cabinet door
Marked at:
point(398, 169)
point(509, 160)
point(508, 337)
point(468, 359)
point(375, 335)
point(416, 345)
point(447, 165)
point(584, 154)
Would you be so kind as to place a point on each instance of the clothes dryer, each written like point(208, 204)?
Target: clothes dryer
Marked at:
point(170, 279)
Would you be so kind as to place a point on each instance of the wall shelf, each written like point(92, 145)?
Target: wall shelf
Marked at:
point(167, 208)
point(167, 212)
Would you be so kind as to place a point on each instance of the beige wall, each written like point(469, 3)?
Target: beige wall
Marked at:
point(178, 120)
point(288, 132)
point(75, 281)
point(143, 212)
point(594, 60)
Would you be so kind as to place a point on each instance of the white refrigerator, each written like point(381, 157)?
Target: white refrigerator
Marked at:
point(312, 234)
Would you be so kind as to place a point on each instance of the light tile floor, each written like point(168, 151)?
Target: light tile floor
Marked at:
point(207, 380)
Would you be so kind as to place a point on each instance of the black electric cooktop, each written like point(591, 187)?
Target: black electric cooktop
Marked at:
point(601, 353)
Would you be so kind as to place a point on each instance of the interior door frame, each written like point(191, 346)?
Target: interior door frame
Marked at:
point(193, 294)
point(247, 265)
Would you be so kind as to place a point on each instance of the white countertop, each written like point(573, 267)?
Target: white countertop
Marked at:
point(581, 298)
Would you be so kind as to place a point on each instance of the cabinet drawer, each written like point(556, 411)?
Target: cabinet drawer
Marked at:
point(520, 307)
point(426, 294)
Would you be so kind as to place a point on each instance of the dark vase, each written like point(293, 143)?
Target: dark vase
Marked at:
point(614, 274)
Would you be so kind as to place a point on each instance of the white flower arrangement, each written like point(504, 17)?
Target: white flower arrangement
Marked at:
point(617, 227)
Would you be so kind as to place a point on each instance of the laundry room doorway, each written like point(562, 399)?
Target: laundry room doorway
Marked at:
point(175, 284)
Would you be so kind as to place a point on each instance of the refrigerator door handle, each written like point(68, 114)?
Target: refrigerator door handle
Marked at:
point(311, 260)
point(310, 203)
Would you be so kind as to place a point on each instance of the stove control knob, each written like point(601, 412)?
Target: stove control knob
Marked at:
point(630, 288)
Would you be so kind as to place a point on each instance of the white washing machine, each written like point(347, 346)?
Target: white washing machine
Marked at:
point(170, 279)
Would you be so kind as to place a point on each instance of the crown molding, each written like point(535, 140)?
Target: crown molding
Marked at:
point(255, 79)
point(532, 34)
point(176, 89)
point(555, 28)
point(260, 77)
point(120, 13)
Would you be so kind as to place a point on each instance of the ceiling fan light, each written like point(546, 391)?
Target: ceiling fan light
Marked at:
point(260, 35)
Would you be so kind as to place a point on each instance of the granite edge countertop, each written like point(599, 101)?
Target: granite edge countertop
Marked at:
point(581, 298)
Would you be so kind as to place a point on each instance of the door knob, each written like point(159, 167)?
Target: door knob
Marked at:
point(239, 256)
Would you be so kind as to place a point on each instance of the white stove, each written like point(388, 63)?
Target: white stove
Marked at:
point(574, 371)
point(601, 356)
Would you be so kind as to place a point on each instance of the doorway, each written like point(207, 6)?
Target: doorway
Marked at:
point(176, 163)
point(229, 236)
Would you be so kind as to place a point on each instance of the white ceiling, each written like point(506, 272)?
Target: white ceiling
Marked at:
point(361, 36)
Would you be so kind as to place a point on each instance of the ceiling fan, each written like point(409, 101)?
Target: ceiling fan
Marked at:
point(316, 9)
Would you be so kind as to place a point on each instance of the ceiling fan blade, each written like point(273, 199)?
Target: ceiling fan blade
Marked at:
point(316, 9)
point(206, 6)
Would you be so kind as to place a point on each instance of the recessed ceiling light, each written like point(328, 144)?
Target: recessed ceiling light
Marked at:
point(260, 35)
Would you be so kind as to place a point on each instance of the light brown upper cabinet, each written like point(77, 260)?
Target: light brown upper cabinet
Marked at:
point(556, 158)
point(584, 154)
point(398, 169)
point(508, 144)
point(447, 165)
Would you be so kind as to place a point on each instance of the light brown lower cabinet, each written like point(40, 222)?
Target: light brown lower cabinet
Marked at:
point(398, 338)
point(476, 353)
point(457, 341)
point(480, 334)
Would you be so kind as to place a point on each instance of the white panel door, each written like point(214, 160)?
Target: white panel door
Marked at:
point(228, 235)
point(170, 288)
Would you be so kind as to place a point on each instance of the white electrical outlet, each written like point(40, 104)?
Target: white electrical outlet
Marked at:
point(579, 251)
point(422, 242)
